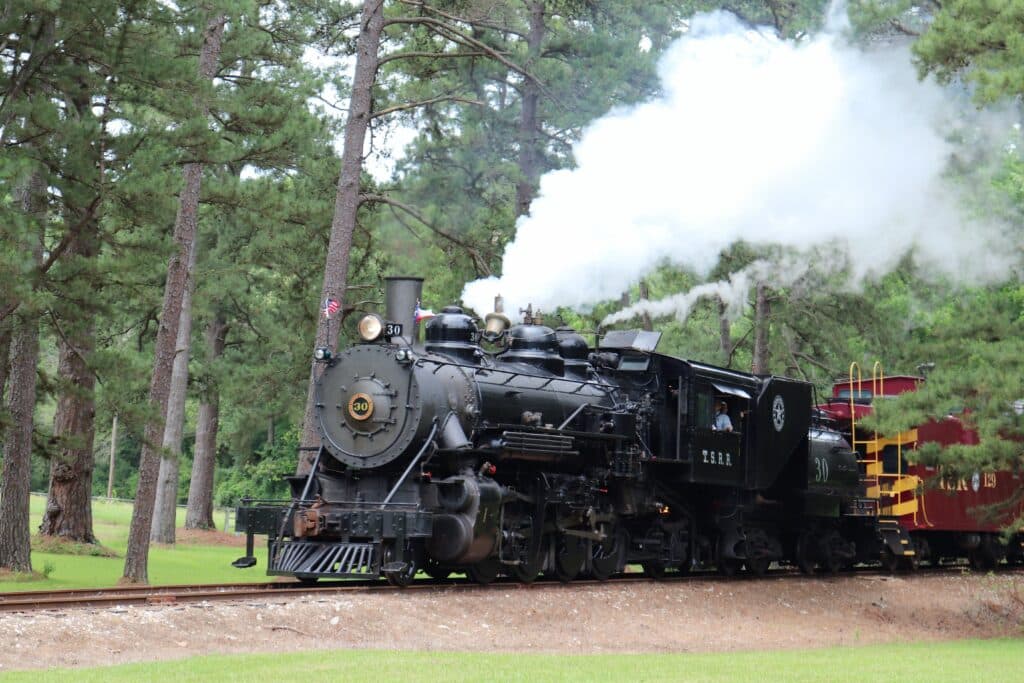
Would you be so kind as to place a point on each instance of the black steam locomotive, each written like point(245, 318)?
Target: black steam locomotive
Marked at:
point(543, 454)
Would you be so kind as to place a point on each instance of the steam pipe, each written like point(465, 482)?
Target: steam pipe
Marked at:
point(401, 480)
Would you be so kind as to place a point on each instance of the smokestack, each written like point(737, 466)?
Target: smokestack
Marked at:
point(401, 294)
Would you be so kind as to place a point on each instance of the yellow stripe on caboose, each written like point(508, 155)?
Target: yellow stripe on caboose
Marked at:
point(908, 507)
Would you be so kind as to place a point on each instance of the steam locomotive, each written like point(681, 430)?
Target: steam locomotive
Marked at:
point(521, 450)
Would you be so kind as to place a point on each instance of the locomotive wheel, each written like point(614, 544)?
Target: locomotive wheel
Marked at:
point(531, 558)
point(833, 564)
point(805, 553)
point(606, 555)
point(759, 567)
point(729, 566)
point(922, 551)
point(484, 572)
point(986, 556)
point(529, 570)
point(436, 571)
point(830, 548)
point(570, 554)
point(890, 562)
point(655, 569)
point(413, 562)
point(308, 580)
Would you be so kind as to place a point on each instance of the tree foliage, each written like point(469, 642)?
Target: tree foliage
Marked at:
point(97, 99)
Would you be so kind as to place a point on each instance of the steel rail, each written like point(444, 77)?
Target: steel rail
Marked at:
point(35, 601)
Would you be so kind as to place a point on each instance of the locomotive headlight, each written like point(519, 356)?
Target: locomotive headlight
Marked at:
point(322, 353)
point(370, 328)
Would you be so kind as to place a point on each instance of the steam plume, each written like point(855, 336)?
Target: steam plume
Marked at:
point(808, 145)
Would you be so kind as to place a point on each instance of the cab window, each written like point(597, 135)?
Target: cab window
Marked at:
point(704, 407)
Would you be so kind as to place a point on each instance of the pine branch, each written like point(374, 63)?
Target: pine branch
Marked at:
point(815, 362)
point(243, 314)
point(478, 260)
point(423, 103)
point(736, 345)
point(456, 36)
point(902, 28)
point(44, 39)
point(74, 349)
point(413, 54)
point(481, 23)
point(57, 251)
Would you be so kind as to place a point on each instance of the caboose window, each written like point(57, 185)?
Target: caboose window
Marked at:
point(857, 393)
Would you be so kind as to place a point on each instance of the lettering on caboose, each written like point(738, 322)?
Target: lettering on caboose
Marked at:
point(980, 480)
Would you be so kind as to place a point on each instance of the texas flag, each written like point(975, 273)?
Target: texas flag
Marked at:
point(422, 313)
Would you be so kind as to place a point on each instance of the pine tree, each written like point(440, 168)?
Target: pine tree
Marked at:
point(15, 550)
point(137, 555)
point(166, 505)
point(199, 514)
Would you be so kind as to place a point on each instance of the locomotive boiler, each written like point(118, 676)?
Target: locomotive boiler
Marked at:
point(521, 450)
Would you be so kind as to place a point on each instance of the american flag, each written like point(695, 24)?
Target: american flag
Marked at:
point(331, 306)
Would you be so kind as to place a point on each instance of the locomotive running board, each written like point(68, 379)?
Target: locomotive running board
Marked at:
point(333, 560)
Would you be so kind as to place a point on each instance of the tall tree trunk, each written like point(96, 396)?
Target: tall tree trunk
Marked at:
point(165, 512)
point(69, 501)
point(762, 315)
point(5, 354)
point(113, 457)
point(346, 202)
point(645, 295)
point(200, 489)
point(724, 334)
point(15, 480)
point(530, 147)
point(137, 555)
point(14, 489)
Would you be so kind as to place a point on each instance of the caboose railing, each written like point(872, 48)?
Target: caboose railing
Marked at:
point(896, 492)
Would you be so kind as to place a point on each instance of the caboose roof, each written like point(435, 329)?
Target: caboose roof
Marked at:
point(892, 385)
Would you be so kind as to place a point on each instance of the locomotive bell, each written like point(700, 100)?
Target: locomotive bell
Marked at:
point(495, 324)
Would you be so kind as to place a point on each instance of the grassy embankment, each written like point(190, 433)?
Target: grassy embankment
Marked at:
point(191, 561)
point(993, 660)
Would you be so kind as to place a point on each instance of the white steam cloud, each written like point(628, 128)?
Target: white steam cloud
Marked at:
point(804, 145)
point(731, 292)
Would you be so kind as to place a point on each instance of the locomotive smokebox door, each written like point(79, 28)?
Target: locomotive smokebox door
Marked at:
point(781, 422)
point(363, 411)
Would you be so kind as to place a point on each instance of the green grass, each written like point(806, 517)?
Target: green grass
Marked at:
point(181, 563)
point(988, 661)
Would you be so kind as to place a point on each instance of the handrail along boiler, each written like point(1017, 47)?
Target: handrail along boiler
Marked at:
point(547, 455)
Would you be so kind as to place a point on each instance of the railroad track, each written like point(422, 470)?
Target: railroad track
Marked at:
point(31, 601)
point(155, 595)
point(35, 601)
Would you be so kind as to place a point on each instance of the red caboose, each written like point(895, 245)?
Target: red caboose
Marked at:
point(947, 517)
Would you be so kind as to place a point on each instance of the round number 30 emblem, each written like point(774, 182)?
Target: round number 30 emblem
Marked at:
point(360, 406)
point(778, 413)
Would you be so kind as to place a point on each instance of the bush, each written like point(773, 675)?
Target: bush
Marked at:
point(263, 477)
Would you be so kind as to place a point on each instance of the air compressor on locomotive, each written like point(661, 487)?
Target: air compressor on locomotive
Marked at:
point(520, 449)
